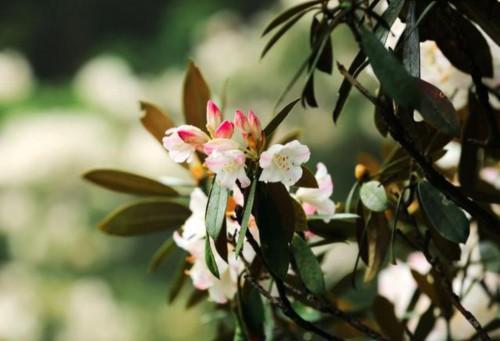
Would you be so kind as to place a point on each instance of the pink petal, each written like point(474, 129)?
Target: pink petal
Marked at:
point(225, 130)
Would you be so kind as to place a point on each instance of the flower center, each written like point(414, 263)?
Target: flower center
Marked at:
point(282, 162)
point(231, 166)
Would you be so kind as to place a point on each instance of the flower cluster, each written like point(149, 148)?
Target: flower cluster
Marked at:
point(227, 158)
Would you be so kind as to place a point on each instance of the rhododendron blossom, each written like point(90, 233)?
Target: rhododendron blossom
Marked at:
point(229, 166)
point(317, 200)
point(214, 116)
point(178, 150)
point(282, 163)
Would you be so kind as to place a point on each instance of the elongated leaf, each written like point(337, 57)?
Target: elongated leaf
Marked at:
point(221, 242)
point(155, 121)
point(216, 210)
point(334, 230)
point(145, 216)
point(373, 196)
point(411, 47)
point(246, 217)
point(195, 97)
point(425, 324)
point(319, 31)
point(251, 312)
point(378, 239)
point(485, 13)
point(278, 118)
point(179, 278)
point(443, 215)
point(383, 310)
point(307, 266)
point(274, 39)
point(126, 182)
point(434, 291)
point(307, 180)
point(280, 19)
point(196, 297)
point(275, 223)
point(300, 216)
point(161, 254)
point(407, 91)
point(210, 258)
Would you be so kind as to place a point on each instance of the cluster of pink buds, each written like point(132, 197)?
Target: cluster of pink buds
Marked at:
point(227, 158)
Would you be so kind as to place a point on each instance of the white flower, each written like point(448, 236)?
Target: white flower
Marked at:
point(229, 165)
point(183, 141)
point(282, 163)
point(318, 199)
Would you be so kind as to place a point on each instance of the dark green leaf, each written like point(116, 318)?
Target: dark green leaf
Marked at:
point(383, 310)
point(246, 217)
point(195, 97)
point(221, 242)
point(334, 230)
point(307, 180)
point(126, 182)
point(251, 312)
point(443, 215)
point(308, 267)
point(411, 45)
point(308, 97)
point(210, 258)
point(278, 118)
point(196, 297)
point(274, 39)
point(320, 30)
point(177, 282)
point(300, 216)
point(145, 216)
point(272, 213)
point(425, 324)
point(161, 254)
point(373, 196)
point(216, 209)
point(280, 19)
point(155, 121)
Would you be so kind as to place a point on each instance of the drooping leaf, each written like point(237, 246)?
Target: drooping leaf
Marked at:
point(216, 209)
point(126, 182)
point(195, 97)
point(251, 312)
point(272, 211)
point(210, 258)
point(444, 216)
point(307, 180)
point(155, 121)
point(485, 13)
point(308, 266)
point(378, 239)
point(324, 61)
point(383, 310)
point(280, 19)
point(196, 297)
point(408, 91)
point(161, 254)
point(246, 217)
point(308, 97)
point(278, 118)
point(145, 216)
point(373, 196)
point(433, 289)
point(177, 282)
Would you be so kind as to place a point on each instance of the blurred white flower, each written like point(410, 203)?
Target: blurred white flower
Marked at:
point(452, 156)
point(108, 83)
point(16, 77)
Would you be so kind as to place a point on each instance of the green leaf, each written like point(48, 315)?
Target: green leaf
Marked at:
point(373, 196)
point(155, 121)
point(145, 216)
point(336, 217)
point(333, 231)
point(126, 182)
point(378, 239)
point(280, 19)
point(195, 97)
point(443, 215)
point(210, 258)
point(178, 281)
point(216, 209)
point(352, 201)
point(300, 216)
point(308, 266)
point(407, 91)
point(411, 44)
point(272, 213)
point(251, 312)
point(383, 310)
point(161, 254)
point(196, 297)
point(278, 118)
point(307, 180)
point(246, 217)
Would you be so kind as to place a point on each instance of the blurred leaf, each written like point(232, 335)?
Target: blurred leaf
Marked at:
point(274, 39)
point(425, 324)
point(444, 216)
point(490, 255)
point(155, 121)
point(161, 254)
point(307, 266)
point(300, 216)
point(389, 16)
point(447, 249)
point(325, 59)
point(288, 137)
point(278, 118)
point(177, 282)
point(435, 292)
point(373, 196)
point(485, 13)
point(308, 97)
point(272, 213)
point(246, 217)
point(216, 209)
point(383, 310)
point(352, 201)
point(196, 297)
point(145, 216)
point(307, 180)
point(195, 97)
point(251, 311)
point(126, 182)
point(407, 91)
point(334, 230)
point(280, 19)
point(210, 258)
point(336, 217)
point(378, 239)
point(378, 118)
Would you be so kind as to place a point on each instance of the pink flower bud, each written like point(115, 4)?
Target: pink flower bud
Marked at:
point(192, 135)
point(225, 130)
point(241, 121)
point(255, 127)
point(214, 116)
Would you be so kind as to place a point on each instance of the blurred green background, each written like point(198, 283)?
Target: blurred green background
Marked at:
point(71, 75)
